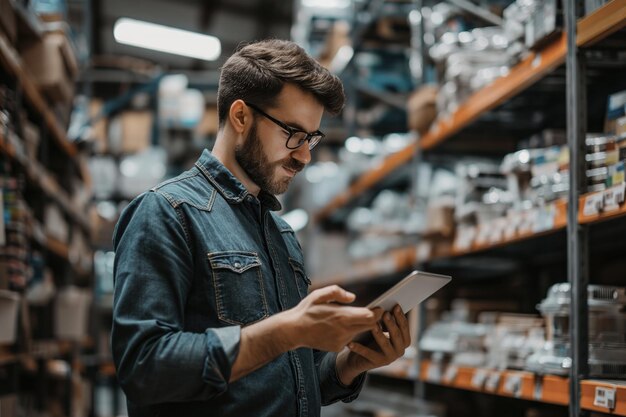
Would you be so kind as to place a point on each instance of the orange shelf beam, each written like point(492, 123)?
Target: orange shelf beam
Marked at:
point(517, 384)
point(589, 391)
point(591, 29)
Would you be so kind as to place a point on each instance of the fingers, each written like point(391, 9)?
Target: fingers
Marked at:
point(403, 324)
point(383, 343)
point(395, 336)
point(359, 315)
point(371, 355)
point(332, 293)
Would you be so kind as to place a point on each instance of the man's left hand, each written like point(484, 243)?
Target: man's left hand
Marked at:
point(358, 358)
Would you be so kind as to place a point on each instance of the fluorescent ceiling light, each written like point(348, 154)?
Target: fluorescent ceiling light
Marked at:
point(166, 39)
point(326, 4)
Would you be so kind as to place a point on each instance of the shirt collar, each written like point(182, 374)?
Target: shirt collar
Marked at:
point(228, 185)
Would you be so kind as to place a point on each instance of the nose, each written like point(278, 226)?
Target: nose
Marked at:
point(302, 154)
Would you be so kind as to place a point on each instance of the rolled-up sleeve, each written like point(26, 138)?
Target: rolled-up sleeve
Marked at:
point(156, 360)
point(331, 388)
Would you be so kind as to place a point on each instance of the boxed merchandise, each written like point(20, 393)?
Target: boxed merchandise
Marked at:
point(52, 63)
point(209, 124)
point(99, 127)
point(8, 23)
point(616, 108)
point(607, 332)
point(31, 137)
point(422, 108)
point(130, 132)
point(71, 313)
point(55, 224)
point(9, 306)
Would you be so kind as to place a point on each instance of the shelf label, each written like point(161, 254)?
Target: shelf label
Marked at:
point(613, 197)
point(451, 372)
point(605, 398)
point(536, 61)
point(491, 384)
point(538, 393)
point(593, 204)
point(433, 374)
point(513, 385)
point(479, 377)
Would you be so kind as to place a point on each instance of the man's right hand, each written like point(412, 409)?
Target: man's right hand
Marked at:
point(321, 322)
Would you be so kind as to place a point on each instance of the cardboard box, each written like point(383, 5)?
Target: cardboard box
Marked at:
point(131, 132)
point(338, 37)
point(209, 124)
point(620, 126)
point(52, 64)
point(98, 128)
point(422, 109)
point(8, 23)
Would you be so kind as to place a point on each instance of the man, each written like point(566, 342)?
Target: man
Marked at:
point(211, 313)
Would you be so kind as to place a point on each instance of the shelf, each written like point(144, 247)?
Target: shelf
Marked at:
point(38, 175)
point(549, 389)
point(403, 259)
point(10, 60)
point(596, 396)
point(601, 206)
point(601, 23)
point(592, 28)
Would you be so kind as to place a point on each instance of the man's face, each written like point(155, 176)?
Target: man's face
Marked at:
point(263, 155)
point(265, 173)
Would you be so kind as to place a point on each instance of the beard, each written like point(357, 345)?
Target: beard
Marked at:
point(251, 157)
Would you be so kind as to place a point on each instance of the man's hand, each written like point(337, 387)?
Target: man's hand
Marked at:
point(320, 322)
point(357, 358)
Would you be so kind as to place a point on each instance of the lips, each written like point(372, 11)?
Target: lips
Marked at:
point(291, 172)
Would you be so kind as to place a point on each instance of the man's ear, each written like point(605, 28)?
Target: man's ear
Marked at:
point(239, 116)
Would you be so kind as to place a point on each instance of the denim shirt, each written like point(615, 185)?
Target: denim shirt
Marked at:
point(197, 258)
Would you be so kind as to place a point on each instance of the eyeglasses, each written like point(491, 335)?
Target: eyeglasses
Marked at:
point(296, 136)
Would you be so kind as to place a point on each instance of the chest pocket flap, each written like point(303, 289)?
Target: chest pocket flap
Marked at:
point(238, 262)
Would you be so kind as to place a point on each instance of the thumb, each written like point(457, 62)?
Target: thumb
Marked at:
point(332, 293)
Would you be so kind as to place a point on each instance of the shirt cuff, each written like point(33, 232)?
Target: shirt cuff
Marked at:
point(331, 386)
point(222, 350)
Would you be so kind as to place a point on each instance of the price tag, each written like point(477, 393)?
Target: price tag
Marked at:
point(451, 373)
point(433, 374)
point(536, 61)
point(513, 385)
point(491, 384)
point(605, 398)
point(593, 204)
point(479, 377)
point(613, 197)
point(538, 394)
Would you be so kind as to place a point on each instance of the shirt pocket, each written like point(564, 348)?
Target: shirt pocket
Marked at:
point(238, 283)
point(302, 280)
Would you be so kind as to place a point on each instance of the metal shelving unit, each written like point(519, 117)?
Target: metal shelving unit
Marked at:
point(572, 220)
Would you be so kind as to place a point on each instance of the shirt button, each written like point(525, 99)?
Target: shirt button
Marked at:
point(237, 265)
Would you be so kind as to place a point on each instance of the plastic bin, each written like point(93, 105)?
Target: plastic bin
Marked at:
point(9, 306)
point(71, 313)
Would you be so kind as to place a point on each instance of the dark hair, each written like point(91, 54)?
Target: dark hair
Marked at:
point(258, 71)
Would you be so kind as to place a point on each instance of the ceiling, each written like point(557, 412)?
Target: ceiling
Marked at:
point(232, 21)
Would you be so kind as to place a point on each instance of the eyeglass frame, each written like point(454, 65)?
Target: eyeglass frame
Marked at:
point(289, 129)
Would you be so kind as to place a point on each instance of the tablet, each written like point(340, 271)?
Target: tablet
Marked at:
point(408, 293)
point(412, 290)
